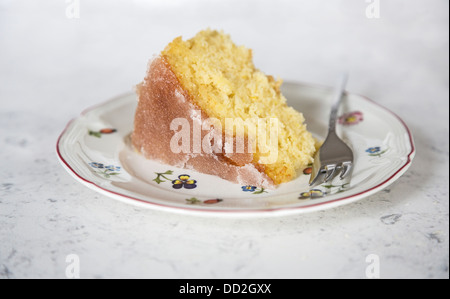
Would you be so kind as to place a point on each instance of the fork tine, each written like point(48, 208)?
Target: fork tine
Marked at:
point(330, 170)
point(346, 167)
point(317, 178)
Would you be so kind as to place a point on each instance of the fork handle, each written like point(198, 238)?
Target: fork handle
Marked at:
point(337, 98)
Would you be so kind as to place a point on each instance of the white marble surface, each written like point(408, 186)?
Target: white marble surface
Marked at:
point(52, 67)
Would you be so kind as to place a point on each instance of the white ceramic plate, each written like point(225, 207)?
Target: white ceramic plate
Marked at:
point(95, 149)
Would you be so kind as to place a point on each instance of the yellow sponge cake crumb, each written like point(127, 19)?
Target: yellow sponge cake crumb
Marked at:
point(222, 80)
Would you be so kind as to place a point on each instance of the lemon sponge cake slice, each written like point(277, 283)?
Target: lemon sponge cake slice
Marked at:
point(204, 106)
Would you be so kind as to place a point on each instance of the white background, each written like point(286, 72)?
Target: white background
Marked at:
point(53, 66)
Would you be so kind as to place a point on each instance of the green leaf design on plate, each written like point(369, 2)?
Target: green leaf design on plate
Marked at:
point(378, 154)
point(160, 175)
point(260, 191)
point(192, 201)
point(95, 134)
point(107, 174)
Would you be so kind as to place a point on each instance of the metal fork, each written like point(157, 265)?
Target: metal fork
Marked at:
point(334, 156)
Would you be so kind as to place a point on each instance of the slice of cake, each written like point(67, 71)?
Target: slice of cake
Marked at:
point(204, 106)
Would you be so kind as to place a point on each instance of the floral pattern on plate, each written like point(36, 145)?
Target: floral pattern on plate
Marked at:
point(101, 132)
point(195, 201)
point(253, 189)
point(351, 118)
point(185, 181)
point(107, 171)
point(376, 151)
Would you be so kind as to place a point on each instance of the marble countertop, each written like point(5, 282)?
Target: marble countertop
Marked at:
point(59, 57)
